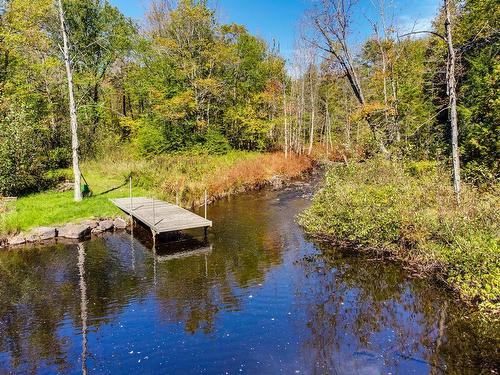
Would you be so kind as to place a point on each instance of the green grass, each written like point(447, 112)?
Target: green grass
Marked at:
point(55, 208)
point(411, 213)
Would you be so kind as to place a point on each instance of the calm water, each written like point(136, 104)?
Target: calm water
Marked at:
point(258, 298)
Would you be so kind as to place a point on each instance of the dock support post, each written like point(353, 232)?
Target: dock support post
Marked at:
point(130, 193)
point(154, 261)
point(131, 205)
point(206, 232)
point(205, 203)
point(206, 266)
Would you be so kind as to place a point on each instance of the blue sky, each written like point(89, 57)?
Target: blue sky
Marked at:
point(280, 19)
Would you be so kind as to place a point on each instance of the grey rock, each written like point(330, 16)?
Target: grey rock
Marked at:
point(17, 240)
point(105, 225)
point(119, 223)
point(91, 223)
point(97, 230)
point(65, 186)
point(276, 182)
point(31, 238)
point(41, 234)
point(78, 231)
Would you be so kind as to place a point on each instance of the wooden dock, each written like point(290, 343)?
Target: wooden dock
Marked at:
point(160, 216)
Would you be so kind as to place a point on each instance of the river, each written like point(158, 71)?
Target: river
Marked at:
point(256, 298)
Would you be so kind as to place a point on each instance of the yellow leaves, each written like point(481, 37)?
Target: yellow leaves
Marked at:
point(129, 124)
point(167, 44)
point(371, 109)
point(221, 53)
point(208, 86)
point(176, 108)
point(378, 75)
point(25, 22)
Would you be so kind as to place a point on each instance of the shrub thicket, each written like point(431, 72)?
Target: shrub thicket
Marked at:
point(413, 216)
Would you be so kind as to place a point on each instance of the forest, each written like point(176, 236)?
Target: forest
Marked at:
point(408, 119)
point(186, 82)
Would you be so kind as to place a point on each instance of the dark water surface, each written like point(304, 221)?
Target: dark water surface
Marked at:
point(258, 298)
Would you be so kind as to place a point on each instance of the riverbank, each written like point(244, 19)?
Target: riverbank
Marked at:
point(174, 178)
point(260, 292)
point(410, 214)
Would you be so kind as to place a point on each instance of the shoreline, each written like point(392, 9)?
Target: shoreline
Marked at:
point(23, 238)
point(67, 233)
point(379, 210)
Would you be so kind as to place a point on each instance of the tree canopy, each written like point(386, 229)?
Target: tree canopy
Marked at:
point(185, 81)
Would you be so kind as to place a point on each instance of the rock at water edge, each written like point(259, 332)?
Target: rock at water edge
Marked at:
point(77, 231)
point(17, 240)
point(119, 223)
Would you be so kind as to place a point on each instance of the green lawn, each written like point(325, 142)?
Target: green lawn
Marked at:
point(54, 208)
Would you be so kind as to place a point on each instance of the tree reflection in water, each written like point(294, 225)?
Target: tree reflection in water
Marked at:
point(258, 295)
point(367, 316)
point(83, 305)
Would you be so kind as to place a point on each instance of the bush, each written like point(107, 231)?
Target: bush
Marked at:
point(414, 216)
point(216, 143)
point(56, 176)
point(59, 157)
point(22, 160)
point(421, 168)
point(151, 140)
point(156, 136)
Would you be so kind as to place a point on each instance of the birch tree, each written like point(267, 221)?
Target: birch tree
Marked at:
point(451, 91)
point(313, 106)
point(452, 96)
point(72, 104)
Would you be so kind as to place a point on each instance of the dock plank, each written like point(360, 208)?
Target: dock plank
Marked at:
point(159, 215)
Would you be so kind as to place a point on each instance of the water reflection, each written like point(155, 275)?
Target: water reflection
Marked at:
point(83, 305)
point(369, 317)
point(256, 298)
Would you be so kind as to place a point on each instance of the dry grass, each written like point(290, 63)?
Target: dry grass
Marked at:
point(220, 176)
point(254, 172)
point(338, 153)
point(184, 178)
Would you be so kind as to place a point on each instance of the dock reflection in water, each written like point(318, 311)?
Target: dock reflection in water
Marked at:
point(257, 298)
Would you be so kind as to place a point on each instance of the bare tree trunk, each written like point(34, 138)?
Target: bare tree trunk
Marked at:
point(332, 21)
point(384, 72)
point(72, 106)
point(436, 368)
point(452, 94)
point(83, 304)
point(300, 137)
point(311, 132)
point(286, 120)
point(347, 123)
point(327, 130)
point(395, 107)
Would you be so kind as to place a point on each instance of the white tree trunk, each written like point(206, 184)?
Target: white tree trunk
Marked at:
point(72, 106)
point(285, 119)
point(452, 94)
point(300, 137)
point(313, 110)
